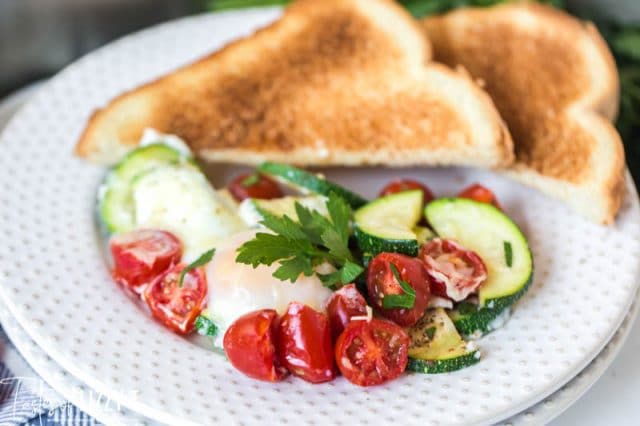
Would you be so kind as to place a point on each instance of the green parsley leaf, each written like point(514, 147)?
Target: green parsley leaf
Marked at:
point(290, 269)
point(340, 214)
point(205, 327)
point(406, 300)
point(250, 180)
point(508, 253)
point(430, 332)
point(284, 226)
point(202, 260)
point(336, 244)
point(265, 249)
point(301, 246)
point(312, 222)
point(347, 274)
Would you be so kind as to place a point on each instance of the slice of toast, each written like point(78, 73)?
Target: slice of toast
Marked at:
point(555, 83)
point(335, 82)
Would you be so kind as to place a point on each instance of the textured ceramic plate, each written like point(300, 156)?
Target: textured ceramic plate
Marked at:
point(105, 411)
point(555, 404)
point(56, 284)
point(91, 402)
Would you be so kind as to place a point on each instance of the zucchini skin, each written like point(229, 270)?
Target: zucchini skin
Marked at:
point(373, 245)
point(370, 222)
point(437, 347)
point(478, 323)
point(443, 365)
point(311, 182)
point(116, 195)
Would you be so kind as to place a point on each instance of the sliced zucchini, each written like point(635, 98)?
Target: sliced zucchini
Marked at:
point(146, 158)
point(180, 199)
point(474, 322)
point(423, 234)
point(387, 224)
point(250, 209)
point(436, 346)
point(502, 246)
point(301, 179)
point(115, 203)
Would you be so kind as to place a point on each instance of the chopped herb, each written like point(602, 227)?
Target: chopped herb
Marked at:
point(406, 300)
point(300, 246)
point(250, 180)
point(430, 332)
point(202, 260)
point(508, 253)
point(205, 326)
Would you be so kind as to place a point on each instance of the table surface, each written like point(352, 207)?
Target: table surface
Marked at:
point(612, 400)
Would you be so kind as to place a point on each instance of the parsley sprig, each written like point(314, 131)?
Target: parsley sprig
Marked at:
point(300, 246)
point(406, 300)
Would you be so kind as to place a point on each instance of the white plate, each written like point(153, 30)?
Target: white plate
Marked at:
point(555, 404)
point(57, 285)
point(104, 411)
point(107, 412)
point(75, 392)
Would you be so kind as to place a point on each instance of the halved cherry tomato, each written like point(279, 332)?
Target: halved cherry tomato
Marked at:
point(372, 352)
point(304, 343)
point(250, 346)
point(480, 193)
point(401, 185)
point(455, 272)
point(254, 185)
point(382, 282)
point(342, 306)
point(139, 256)
point(177, 306)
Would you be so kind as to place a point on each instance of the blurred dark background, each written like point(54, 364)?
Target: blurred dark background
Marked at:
point(38, 37)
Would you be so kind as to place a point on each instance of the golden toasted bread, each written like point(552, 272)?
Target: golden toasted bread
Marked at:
point(342, 82)
point(555, 83)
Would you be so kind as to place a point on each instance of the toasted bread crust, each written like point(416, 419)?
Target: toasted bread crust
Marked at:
point(332, 82)
point(555, 83)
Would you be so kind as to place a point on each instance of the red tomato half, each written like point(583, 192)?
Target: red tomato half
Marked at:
point(480, 193)
point(177, 307)
point(407, 185)
point(372, 352)
point(343, 305)
point(254, 185)
point(455, 272)
point(381, 282)
point(250, 346)
point(304, 343)
point(139, 256)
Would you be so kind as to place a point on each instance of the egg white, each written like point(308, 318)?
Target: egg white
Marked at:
point(236, 289)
